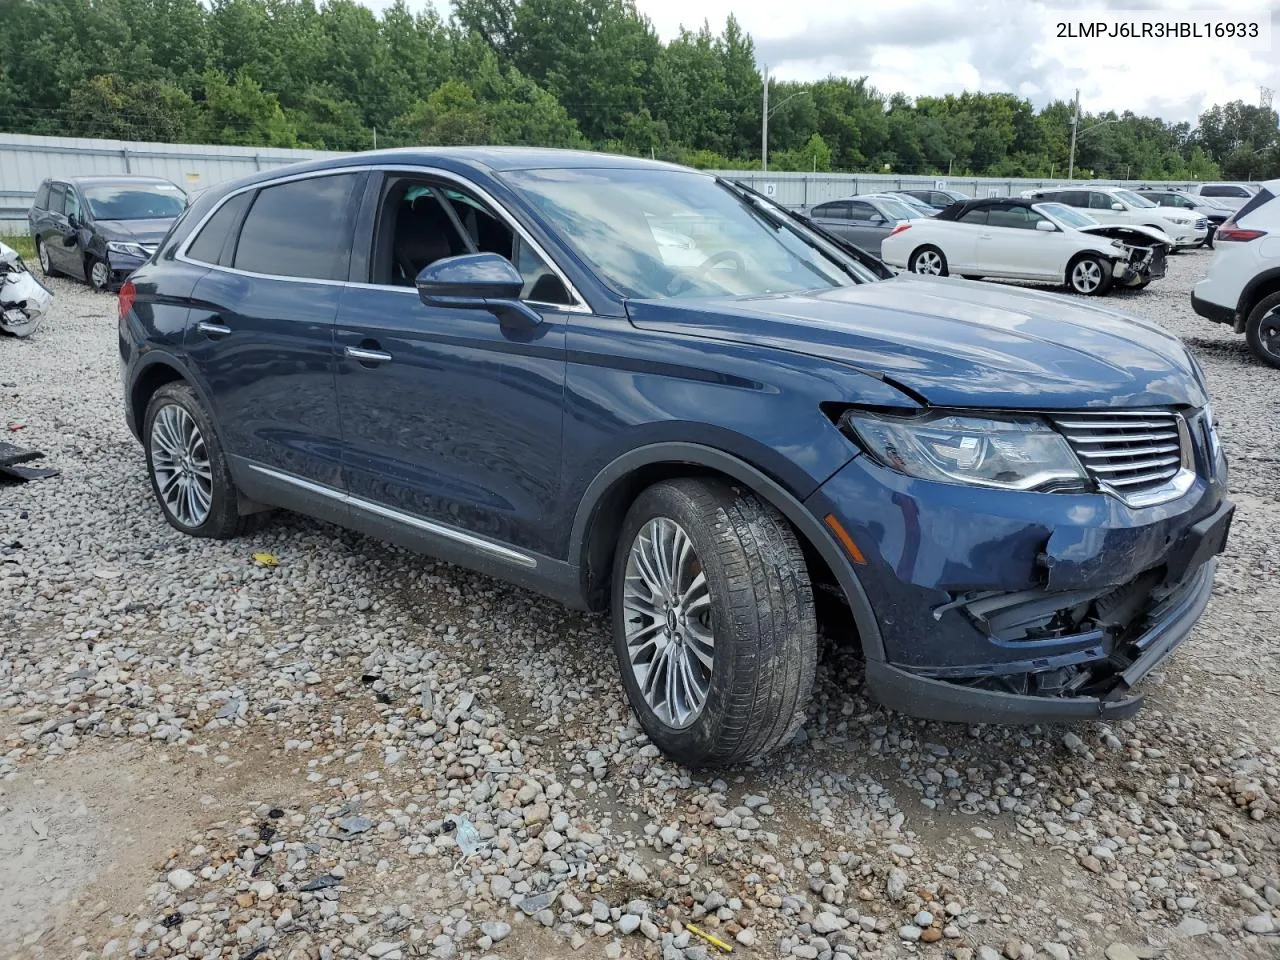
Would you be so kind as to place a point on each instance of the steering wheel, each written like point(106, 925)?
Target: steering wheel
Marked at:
point(723, 257)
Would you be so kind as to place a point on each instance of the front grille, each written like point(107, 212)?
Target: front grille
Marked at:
point(1202, 223)
point(1130, 452)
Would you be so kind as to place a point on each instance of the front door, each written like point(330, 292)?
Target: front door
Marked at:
point(1012, 241)
point(55, 230)
point(261, 326)
point(450, 422)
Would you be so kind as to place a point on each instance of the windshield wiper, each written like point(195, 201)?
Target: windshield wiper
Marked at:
point(764, 205)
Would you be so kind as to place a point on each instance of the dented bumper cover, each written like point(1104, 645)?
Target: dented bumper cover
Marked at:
point(1005, 606)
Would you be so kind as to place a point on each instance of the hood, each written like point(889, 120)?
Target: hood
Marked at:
point(956, 343)
point(134, 231)
point(1119, 230)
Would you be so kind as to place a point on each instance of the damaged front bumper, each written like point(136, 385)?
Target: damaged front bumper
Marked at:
point(1023, 607)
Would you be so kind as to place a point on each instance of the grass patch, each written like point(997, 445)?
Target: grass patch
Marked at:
point(25, 246)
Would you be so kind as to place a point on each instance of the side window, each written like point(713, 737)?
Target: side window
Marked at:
point(71, 202)
point(1019, 218)
point(214, 243)
point(300, 229)
point(1099, 201)
point(57, 194)
point(42, 197)
point(861, 210)
point(978, 216)
point(421, 222)
point(837, 210)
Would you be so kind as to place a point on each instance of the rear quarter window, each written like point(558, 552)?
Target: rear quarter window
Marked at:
point(300, 229)
point(213, 243)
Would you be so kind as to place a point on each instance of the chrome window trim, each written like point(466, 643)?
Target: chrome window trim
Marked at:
point(579, 305)
point(406, 519)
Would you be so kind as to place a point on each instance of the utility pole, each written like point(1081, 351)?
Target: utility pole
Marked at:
point(764, 124)
point(1075, 122)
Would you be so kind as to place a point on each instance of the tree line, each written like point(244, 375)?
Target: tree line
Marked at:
point(571, 73)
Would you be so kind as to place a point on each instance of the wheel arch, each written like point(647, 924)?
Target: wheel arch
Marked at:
point(154, 371)
point(1263, 285)
point(599, 517)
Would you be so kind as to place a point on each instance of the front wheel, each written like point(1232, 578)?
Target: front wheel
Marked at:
point(1089, 276)
point(1262, 330)
point(713, 622)
point(98, 273)
point(42, 254)
point(928, 261)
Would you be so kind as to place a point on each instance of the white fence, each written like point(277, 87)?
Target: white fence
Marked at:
point(27, 160)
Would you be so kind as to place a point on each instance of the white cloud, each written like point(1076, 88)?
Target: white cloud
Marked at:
point(946, 46)
point(934, 47)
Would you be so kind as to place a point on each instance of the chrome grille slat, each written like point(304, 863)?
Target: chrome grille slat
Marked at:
point(1140, 465)
point(1130, 451)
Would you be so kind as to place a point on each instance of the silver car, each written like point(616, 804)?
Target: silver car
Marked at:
point(864, 220)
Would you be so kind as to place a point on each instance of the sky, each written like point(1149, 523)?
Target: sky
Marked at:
point(934, 47)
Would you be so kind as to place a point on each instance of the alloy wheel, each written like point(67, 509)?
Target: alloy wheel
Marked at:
point(929, 262)
point(1269, 334)
point(180, 465)
point(99, 275)
point(667, 610)
point(1086, 276)
point(42, 252)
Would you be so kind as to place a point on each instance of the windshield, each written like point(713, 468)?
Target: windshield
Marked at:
point(129, 201)
point(658, 234)
point(1132, 199)
point(1067, 215)
point(896, 209)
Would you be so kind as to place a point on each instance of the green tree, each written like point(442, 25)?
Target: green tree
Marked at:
point(239, 111)
point(109, 107)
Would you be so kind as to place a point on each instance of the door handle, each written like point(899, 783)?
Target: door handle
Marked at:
point(365, 355)
point(985, 236)
point(212, 330)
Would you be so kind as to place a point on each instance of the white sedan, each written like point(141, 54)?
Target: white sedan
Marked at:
point(1022, 240)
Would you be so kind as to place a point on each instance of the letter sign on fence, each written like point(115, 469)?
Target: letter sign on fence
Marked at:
point(770, 189)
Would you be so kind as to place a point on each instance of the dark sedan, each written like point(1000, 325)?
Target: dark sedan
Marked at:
point(101, 229)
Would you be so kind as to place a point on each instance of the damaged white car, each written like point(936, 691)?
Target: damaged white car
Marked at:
point(1017, 239)
point(23, 299)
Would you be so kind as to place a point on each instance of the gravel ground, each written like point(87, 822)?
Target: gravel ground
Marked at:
point(207, 757)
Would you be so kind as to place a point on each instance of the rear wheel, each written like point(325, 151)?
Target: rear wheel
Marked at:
point(713, 622)
point(1089, 275)
point(189, 473)
point(1262, 330)
point(928, 261)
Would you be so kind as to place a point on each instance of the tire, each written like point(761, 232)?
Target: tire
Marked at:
point(1262, 330)
point(758, 614)
point(98, 273)
point(1088, 275)
point(928, 261)
point(176, 405)
point(42, 255)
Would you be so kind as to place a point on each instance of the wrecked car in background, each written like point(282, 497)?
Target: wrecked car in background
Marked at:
point(23, 299)
point(1019, 497)
point(1021, 240)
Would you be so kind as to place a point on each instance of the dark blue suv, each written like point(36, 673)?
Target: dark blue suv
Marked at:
point(633, 386)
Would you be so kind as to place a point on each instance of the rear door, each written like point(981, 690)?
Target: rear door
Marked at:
point(1101, 208)
point(54, 230)
point(866, 226)
point(260, 332)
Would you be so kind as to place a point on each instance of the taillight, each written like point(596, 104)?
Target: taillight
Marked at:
point(1229, 231)
point(899, 228)
point(124, 300)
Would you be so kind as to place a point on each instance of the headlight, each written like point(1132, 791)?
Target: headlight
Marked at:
point(129, 249)
point(1012, 453)
point(1180, 221)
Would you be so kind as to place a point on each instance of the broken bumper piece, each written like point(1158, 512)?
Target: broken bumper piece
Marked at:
point(1093, 689)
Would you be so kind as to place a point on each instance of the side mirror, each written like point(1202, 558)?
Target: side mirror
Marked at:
point(477, 281)
point(1117, 206)
point(1044, 226)
point(876, 219)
